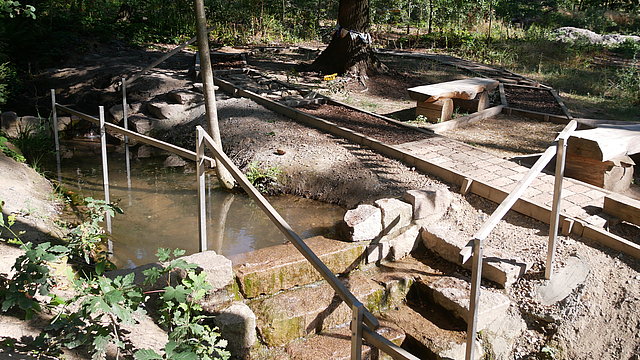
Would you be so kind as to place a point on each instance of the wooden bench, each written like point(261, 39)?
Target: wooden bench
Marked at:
point(436, 101)
point(600, 156)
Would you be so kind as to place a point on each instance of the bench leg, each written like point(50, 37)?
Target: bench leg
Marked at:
point(439, 110)
point(483, 102)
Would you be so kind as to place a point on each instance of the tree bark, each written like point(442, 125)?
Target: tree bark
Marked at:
point(224, 177)
point(349, 51)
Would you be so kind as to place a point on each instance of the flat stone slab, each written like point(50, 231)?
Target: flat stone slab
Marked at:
point(562, 283)
point(497, 267)
point(394, 247)
point(453, 294)
point(296, 313)
point(269, 270)
point(336, 344)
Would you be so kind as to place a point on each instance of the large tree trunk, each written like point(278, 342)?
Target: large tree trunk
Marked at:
point(349, 51)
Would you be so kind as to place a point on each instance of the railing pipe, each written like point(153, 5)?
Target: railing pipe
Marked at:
point(284, 227)
point(474, 247)
point(105, 166)
point(356, 331)
point(125, 120)
point(56, 139)
point(555, 209)
point(202, 209)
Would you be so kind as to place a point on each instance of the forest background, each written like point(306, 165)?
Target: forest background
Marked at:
point(516, 34)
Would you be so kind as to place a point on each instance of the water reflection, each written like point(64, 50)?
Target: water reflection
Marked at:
point(160, 208)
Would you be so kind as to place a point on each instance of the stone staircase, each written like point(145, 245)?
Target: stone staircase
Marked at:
point(410, 279)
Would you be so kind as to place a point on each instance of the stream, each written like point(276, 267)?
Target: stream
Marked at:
point(160, 208)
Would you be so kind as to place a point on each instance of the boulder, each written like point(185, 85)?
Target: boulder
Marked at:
point(64, 122)
point(428, 204)
point(13, 126)
point(163, 110)
point(363, 223)
point(174, 161)
point(117, 114)
point(237, 324)
point(217, 268)
point(396, 214)
point(185, 97)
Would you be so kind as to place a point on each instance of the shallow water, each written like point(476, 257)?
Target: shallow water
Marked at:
point(160, 208)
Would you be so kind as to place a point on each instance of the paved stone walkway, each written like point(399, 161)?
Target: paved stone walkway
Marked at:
point(580, 200)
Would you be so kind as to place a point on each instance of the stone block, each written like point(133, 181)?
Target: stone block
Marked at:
point(396, 214)
point(163, 110)
point(174, 161)
point(497, 267)
point(336, 345)
point(363, 223)
point(428, 204)
point(310, 309)
point(185, 97)
point(403, 244)
point(117, 114)
point(218, 269)
point(237, 324)
point(269, 270)
point(453, 294)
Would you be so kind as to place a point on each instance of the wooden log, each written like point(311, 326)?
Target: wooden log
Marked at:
point(436, 111)
point(609, 175)
point(483, 102)
point(622, 207)
point(606, 143)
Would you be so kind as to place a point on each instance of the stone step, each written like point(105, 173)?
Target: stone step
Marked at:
point(298, 312)
point(453, 294)
point(430, 333)
point(497, 267)
point(336, 345)
point(269, 270)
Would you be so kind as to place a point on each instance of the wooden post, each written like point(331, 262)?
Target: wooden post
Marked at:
point(483, 102)
point(54, 115)
point(476, 282)
point(202, 195)
point(356, 331)
point(105, 166)
point(555, 212)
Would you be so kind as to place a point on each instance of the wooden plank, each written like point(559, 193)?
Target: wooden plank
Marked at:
point(503, 96)
point(611, 240)
point(594, 123)
point(461, 89)
point(561, 103)
point(537, 115)
point(465, 120)
point(606, 142)
point(622, 207)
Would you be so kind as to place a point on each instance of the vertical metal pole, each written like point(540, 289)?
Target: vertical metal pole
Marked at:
point(202, 195)
point(105, 167)
point(555, 212)
point(356, 331)
point(54, 115)
point(125, 119)
point(476, 281)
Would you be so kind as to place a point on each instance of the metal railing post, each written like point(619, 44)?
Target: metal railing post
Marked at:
point(555, 212)
point(202, 209)
point(125, 119)
point(105, 166)
point(356, 331)
point(476, 282)
point(54, 115)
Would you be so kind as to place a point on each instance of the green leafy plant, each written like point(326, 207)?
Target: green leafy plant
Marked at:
point(181, 313)
point(10, 152)
point(103, 306)
point(264, 179)
point(86, 239)
point(35, 142)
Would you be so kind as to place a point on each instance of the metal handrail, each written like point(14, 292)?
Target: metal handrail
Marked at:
point(474, 247)
point(205, 141)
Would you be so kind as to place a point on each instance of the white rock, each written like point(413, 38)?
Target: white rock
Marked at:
point(363, 223)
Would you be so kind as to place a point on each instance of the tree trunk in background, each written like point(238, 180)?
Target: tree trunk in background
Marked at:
point(224, 177)
point(349, 51)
